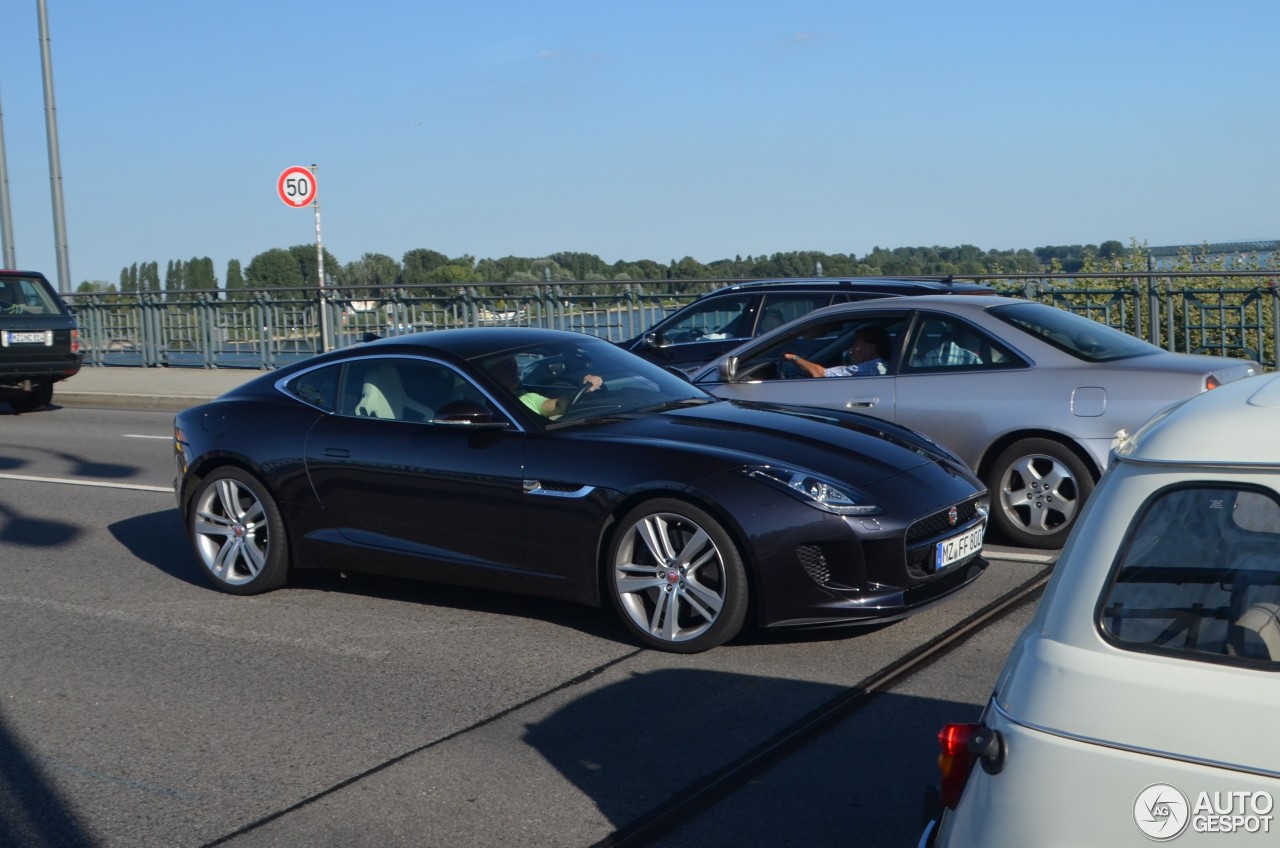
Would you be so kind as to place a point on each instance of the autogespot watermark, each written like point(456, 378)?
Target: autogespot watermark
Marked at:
point(1162, 812)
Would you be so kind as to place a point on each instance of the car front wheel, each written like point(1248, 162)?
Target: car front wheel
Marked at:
point(1039, 487)
point(677, 578)
point(238, 533)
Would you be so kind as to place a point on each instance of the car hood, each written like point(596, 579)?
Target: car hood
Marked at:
point(854, 448)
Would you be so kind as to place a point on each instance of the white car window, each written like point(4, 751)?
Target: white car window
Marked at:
point(1200, 577)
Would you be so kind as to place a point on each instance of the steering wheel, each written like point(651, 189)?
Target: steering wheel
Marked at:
point(577, 396)
point(788, 370)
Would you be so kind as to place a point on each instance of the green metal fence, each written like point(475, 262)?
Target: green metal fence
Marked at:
point(1227, 313)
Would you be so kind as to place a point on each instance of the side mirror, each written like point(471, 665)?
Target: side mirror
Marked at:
point(727, 369)
point(651, 340)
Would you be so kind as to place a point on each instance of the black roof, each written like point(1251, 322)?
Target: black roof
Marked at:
point(891, 285)
point(467, 342)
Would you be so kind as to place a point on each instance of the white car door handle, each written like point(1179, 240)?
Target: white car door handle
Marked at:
point(862, 403)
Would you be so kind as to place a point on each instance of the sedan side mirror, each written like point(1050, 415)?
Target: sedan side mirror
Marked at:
point(727, 369)
point(651, 340)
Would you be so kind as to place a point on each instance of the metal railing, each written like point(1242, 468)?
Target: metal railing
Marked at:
point(1226, 313)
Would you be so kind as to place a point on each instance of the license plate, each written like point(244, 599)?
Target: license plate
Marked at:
point(14, 337)
point(952, 550)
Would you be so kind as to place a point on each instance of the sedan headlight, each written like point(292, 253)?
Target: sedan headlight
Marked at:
point(815, 491)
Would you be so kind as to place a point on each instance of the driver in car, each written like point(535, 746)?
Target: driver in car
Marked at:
point(869, 352)
point(507, 372)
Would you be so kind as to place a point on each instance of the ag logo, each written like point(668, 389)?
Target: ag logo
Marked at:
point(1161, 811)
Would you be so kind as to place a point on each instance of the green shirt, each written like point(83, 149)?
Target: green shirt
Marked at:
point(534, 401)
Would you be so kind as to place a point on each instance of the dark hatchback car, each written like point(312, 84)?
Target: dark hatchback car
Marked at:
point(39, 340)
point(721, 320)
point(555, 464)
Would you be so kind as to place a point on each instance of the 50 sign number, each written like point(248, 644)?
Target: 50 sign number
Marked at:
point(296, 186)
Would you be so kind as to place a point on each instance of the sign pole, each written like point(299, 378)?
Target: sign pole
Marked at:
point(324, 306)
point(296, 186)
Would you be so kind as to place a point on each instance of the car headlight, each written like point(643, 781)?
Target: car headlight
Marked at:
point(815, 491)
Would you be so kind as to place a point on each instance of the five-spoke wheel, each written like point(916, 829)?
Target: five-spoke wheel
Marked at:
point(1038, 487)
point(677, 578)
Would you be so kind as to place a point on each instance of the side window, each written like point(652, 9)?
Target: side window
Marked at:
point(396, 389)
point(941, 343)
point(716, 319)
point(1199, 577)
point(318, 387)
point(778, 309)
point(828, 343)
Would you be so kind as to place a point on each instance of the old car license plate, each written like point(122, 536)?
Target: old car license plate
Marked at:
point(15, 337)
point(956, 548)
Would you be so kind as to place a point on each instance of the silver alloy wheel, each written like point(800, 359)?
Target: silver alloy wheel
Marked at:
point(1039, 494)
point(231, 532)
point(670, 577)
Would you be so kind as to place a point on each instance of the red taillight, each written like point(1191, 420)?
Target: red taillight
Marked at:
point(75, 341)
point(955, 760)
point(1211, 382)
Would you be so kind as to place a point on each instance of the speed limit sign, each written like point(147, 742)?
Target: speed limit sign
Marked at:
point(296, 186)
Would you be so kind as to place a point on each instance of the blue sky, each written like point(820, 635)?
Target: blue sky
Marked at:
point(639, 130)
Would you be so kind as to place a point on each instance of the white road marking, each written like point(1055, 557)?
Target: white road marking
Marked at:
point(139, 436)
point(99, 484)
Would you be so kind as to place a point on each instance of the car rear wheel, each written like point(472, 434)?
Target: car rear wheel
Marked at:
point(677, 578)
point(238, 533)
point(38, 397)
point(1039, 487)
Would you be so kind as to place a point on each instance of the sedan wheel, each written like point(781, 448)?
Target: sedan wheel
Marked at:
point(1040, 486)
point(238, 533)
point(677, 578)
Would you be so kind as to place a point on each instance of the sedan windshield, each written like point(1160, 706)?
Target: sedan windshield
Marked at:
point(566, 381)
point(1079, 336)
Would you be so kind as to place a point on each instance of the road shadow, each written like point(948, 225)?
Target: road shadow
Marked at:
point(29, 531)
point(645, 745)
point(32, 814)
point(158, 539)
point(77, 466)
point(6, 408)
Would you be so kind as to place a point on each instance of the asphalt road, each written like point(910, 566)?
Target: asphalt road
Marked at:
point(138, 707)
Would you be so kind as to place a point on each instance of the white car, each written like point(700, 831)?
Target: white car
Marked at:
point(1142, 702)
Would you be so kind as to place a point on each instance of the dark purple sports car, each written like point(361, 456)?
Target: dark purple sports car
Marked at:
point(556, 464)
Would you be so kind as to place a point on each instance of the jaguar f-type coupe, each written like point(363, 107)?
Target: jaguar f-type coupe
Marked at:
point(556, 464)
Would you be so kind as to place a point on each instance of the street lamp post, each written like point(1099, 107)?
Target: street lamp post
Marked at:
point(55, 165)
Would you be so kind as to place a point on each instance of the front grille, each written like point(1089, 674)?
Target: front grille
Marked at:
point(922, 534)
point(814, 563)
point(938, 524)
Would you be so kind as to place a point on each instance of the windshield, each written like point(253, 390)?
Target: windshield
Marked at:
point(1081, 337)
point(567, 381)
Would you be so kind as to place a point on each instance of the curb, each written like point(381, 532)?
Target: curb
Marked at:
point(105, 400)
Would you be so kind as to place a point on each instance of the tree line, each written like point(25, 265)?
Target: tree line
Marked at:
point(296, 268)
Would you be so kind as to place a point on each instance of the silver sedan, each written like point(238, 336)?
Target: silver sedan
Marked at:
point(1029, 395)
